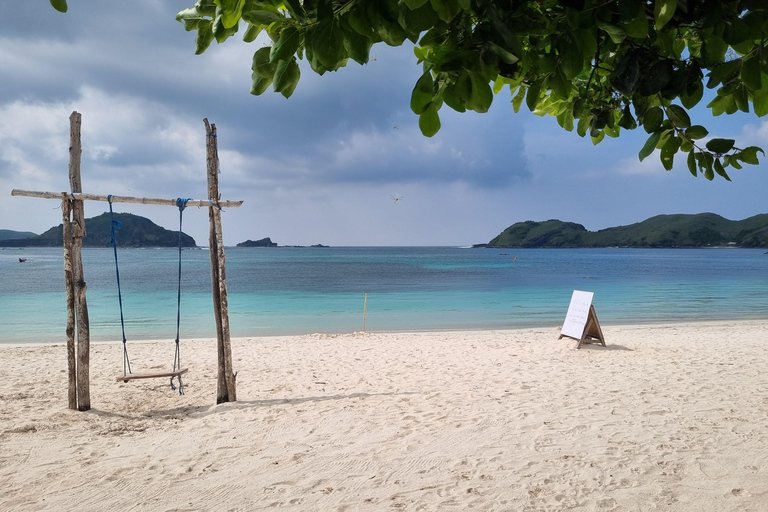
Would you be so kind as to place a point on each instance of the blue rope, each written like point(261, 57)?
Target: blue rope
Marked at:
point(113, 242)
point(181, 203)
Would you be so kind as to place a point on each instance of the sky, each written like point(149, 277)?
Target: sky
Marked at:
point(322, 167)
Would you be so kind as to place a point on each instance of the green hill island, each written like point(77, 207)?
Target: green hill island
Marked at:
point(700, 230)
point(135, 231)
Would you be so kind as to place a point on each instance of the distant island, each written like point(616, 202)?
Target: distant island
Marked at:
point(9, 234)
point(264, 242)
point(267, 242)
point(135, 231)
point(682, 230)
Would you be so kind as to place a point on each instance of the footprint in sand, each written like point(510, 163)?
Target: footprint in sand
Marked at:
point(711, 468)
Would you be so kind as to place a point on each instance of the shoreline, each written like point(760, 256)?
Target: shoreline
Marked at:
point(666, 417)
point(448, 330)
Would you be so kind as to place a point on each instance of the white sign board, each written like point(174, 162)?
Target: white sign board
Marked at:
point(578, 312)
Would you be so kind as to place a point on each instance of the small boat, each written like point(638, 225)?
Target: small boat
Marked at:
point(22, 260)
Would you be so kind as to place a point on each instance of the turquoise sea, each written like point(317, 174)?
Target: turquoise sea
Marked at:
point(280, 291)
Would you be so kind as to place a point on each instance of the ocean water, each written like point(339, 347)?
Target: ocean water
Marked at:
point(280, 291)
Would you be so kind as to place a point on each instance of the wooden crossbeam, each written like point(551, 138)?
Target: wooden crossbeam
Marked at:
point(80, 196)
point(136, 376)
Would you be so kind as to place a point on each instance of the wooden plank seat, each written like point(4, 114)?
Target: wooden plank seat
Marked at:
point(136, 376)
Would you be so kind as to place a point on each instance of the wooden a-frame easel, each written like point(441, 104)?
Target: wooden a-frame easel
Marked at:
point(592, 334)
point(78, 332)
point(581, 321)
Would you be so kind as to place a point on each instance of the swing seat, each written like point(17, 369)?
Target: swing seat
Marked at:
point(136, 376)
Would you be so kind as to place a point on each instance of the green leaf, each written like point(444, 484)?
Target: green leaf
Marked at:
point(691, 161)
point(262, 16)
point(626, 120)
point(731, 160)
point(649, 145)
point(693, 94)
point(360, 24)
point(429, 121)
point(415, 21)
point(450, 98)
point(559, 85)
point(720, 170)
point(751, 74)
point(708, 173)
point(287, 76)
point(446, 9)
point(724, 73)
point(720, 146)
point(261, 65)
point(565, 119)
point(638, 27)
point(749, 155)
point(252, 32)
point(517, 100)
point(615, 32)
point(327, 43)
point(415, 4)
point(462, 88)
point(696, 132)
point(296, 9)
point(571, 61)
point(678, 116)
point(741, 98)
point(220, 32)
point(583, 125)
point(260, 84)
point(663, 10)
point(713, 49)
point(190, 18)
point(760, 99)
point(206, 8)
point(389, 32)
point(358, 46)
point(286, 45)
point(482, 95)
point(231, 12)
point(503, 54)
point(423, 92)
point(532, 98)
point(723, 103)
point(652, 119)
point(668, 151)
point(204, 36)
point(59, 5)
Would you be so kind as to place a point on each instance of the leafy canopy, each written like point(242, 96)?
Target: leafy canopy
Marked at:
point(596, 65)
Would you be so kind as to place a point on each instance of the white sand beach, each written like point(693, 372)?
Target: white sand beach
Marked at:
point(666, 417)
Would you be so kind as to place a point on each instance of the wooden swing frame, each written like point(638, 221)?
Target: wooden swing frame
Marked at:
point(78, 331)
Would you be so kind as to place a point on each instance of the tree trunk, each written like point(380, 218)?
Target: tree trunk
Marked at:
point(66, 209)
point(78, 232)
point(225, 388)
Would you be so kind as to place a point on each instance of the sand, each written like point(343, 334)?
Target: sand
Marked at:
point(666, 417)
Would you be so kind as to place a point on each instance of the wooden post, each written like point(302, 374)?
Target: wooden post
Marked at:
point(225, 389)
point(66, 209)
point(78, 232)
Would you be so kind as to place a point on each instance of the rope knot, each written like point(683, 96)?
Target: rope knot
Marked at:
point(181, 202)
